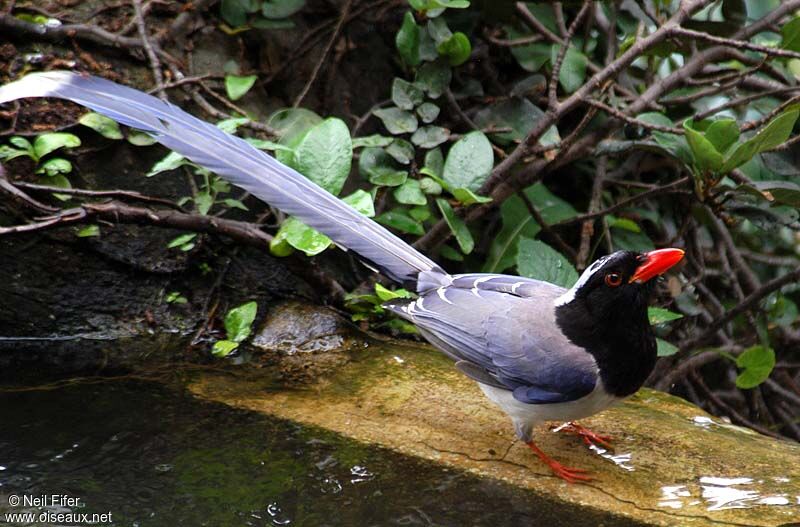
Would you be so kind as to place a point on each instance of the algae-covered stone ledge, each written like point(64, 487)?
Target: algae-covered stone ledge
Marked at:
point(672, 465)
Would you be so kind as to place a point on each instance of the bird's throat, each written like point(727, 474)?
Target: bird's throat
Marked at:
point(621, 341)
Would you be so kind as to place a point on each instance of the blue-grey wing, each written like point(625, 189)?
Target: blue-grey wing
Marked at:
point(501, 330)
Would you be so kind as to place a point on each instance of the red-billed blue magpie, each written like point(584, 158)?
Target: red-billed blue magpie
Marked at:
point(538, 351)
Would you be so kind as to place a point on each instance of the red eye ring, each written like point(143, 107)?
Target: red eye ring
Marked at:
point(613, 279)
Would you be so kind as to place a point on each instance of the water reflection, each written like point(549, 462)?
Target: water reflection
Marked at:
point(154, 457)
point(720, 493)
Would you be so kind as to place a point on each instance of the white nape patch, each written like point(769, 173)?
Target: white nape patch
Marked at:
point(569, 296)
point(442, 294)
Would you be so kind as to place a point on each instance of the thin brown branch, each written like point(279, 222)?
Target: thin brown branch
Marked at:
point(318, 66)
point(750, 302)
point(553, 85)
point(734, 43)
point(155, 65)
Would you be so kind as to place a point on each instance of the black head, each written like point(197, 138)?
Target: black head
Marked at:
point(605, 312)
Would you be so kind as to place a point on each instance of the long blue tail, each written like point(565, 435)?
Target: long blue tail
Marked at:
point(237, 161)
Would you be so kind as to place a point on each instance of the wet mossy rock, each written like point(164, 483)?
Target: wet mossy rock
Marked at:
point(302, 342)
point(673, 463)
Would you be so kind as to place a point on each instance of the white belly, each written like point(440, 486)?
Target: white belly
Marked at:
point(525, 415)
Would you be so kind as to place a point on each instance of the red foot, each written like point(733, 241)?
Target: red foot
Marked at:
point(568, 474)
point(589, 437)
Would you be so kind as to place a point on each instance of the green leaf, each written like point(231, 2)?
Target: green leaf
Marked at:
point(573, 69)
point(518, 223)
point(101, 124)
point(223, 348)
point(410, 193)
point(434, 78)
point(784, 192)
point(428, 185)
point(239, 320)
point(302, 237)
point(379, 168)
point(451, 254)
point(722, 133)
point(7, 153)
point(397, 121)
point(263, 144)
point(291, 125)
point(174, 297)
point(434, 163)
point(276, 9)
point(467, 197)
point(623, 223)
point(791, 35)
point(530, 57)
point(237, 86)
point(203, 201)
point(172, 161)
point(469, 162)
point(361, 200)
point(55, 166)
point(401, 150)
point(756, 364)
point(672, 143)
point(181, 240)
point(664, 348)
point(428, 112)
point(421, 213)
point(375, 140)
point(89, 231)
point(518, 114)
point(430, 136)
point(406, 95)
point(457, 226)
point(456, 49)
point(46, 143)
point(387, 294)
point(773, 134)
point(61, 182)
point(401, 221)
point(658, 315)
point(539, 261)
point(234, 12)
point(407, 40)
point(438, 30)
point(137, 138)
point(278, 246)
point(234, 204)
point(21, 142)
point(231, 124)
point(324, 155)
point(265, 23)
point(706, 157)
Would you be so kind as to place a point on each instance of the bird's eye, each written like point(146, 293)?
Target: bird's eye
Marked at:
point(613, 279)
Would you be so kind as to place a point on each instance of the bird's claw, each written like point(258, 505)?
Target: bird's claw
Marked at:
point(589, 438)
point(568, 474)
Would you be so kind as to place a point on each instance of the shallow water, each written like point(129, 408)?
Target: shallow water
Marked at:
point(152, 455)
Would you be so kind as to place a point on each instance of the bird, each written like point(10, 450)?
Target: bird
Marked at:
point(539, 351)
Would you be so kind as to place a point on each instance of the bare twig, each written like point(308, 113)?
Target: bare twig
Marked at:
point(155, 65)
point(324, 55)
point(553, 86)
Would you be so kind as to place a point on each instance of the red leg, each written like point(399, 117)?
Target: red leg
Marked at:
point(589, 437)
point(568, 474)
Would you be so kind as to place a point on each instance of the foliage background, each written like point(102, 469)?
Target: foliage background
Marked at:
point(518, 137)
